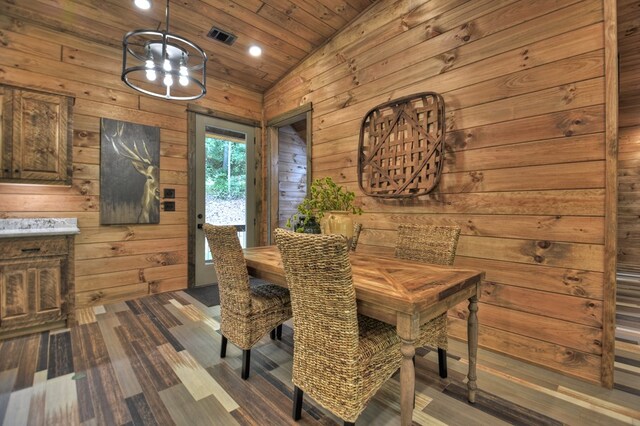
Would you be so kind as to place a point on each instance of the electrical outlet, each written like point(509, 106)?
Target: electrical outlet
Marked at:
point(169, 193)
point(169, 206)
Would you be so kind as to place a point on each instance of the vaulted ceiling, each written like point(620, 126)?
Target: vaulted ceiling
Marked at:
point(287, 31)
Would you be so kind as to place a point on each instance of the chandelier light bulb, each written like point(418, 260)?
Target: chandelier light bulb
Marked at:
point(143, 4)
point(167, 65)
point(255, 51)
point(151, 75)
point(168, 81)
point(184, 81)
point(149, 63)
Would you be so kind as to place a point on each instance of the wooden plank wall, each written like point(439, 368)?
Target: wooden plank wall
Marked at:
point(292, 171)
point(629, 150)
point(112, 262)
point(524, 178)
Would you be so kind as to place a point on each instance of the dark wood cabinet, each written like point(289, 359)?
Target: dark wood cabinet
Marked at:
point(36, 136)
point(36, 284)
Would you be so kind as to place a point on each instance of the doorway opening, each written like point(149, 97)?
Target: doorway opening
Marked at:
point(289, 138)
point(224, 182)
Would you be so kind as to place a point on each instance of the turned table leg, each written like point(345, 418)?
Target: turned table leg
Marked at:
point(472, 338)
point(408, 328)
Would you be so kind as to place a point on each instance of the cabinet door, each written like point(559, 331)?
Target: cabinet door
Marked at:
point(14, 289)
point(30, 293)
point(40, 136)
point(47, 291)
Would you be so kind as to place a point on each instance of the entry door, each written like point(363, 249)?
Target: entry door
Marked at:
point(225, 186)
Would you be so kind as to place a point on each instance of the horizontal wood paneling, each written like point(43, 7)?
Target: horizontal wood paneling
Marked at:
point(629, 137)
point(112, 262)
point(524, 176)
point(292, 171)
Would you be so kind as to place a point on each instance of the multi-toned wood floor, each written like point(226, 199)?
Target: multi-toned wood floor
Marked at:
point(156, 361)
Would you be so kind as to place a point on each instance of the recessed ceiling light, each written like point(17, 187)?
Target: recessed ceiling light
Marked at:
point(255, 51)
point(143, 4)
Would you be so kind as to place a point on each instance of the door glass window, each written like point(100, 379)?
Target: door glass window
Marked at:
point(226, 181)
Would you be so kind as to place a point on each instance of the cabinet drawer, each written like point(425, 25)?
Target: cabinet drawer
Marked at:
point(11, 248)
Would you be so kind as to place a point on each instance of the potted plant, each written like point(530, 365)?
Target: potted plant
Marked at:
point(327, 202)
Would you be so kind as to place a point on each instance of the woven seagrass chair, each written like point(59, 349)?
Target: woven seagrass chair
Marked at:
point(340, 358)
point(357, 228)
point(248, 312)
point(430, 244)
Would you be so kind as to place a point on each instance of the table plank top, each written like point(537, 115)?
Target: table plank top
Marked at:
point(397, 284)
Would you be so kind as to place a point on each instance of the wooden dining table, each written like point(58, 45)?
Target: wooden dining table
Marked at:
point(400, 292)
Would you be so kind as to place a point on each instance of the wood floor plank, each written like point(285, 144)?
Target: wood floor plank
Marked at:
point(80, 361)
point(200, 342)
point(208, 310)
point(154, 308)
point(10, 351)
point(43, 352)
point(61, 402)
point(107, 398)
point(454, 412)
point(121, 365)
point(106, 395)
point(27, 364)
point(192, 314)
point(185, 410)
point(195, 378)
point(85, 315)
point(501, 408)
point(60, 355)
point(160, 372)
point(7, 379)
point(255, 405)
point(37, 405)
point(141, 414)
point(160, 326)
point(18, 407)
point(146, 383)
point(178, 298)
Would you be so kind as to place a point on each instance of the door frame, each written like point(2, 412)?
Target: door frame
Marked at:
point(192, 112)
point(303, 112)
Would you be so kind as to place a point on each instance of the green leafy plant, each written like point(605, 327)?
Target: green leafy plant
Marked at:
point(324, 196)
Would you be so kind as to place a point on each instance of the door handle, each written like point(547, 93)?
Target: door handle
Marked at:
point(199, 226)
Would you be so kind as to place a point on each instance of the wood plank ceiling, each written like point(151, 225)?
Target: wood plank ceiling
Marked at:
point(287, 31)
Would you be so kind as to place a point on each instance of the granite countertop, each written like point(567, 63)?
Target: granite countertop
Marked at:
point(35, 227)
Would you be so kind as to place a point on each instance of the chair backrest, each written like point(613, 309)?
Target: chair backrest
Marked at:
point(231, 268)
point(428, 243)
point(325, 322)
point(357, 227)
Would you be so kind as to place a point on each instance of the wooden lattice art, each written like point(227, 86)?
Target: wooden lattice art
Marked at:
point(401, 147)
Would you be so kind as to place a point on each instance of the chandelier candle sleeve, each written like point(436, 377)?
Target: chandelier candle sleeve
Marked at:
point(149, 54)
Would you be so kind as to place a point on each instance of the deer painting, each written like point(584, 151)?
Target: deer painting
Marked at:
point(131, 147)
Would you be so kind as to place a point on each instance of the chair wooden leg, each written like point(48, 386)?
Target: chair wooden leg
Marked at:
point(246, 361)
point(349, 424)
point(297, 403)
point(279, 332)
point(442, 362)
point(273, 334)
point(223, 347)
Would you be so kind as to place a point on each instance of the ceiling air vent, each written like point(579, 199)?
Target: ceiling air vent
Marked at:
point(222, 36)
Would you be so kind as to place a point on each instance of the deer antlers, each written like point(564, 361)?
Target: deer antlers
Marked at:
point(132, 154)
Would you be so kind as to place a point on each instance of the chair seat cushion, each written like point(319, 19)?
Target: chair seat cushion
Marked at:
point(268, 297)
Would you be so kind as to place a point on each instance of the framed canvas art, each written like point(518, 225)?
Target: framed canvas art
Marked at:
point(129, 173)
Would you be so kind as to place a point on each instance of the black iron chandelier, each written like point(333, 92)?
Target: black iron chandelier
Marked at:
point(164, 65)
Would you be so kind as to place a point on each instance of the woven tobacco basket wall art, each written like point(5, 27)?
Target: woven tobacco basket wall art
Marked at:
point(401, 147)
